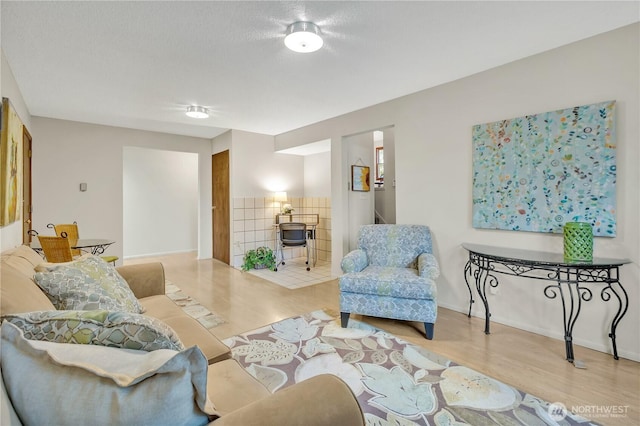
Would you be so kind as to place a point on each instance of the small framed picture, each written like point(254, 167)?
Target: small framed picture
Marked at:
point(360, 178)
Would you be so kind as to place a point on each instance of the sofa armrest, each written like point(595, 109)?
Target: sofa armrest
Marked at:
point(354, 261)
point(428, 266)
point(145, 279)
point(318, 401)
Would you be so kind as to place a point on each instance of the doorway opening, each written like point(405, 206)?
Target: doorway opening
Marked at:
point(313, 208)
point(378, 205)
point(160, 202)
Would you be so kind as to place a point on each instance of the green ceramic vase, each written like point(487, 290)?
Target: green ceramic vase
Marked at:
point(578, 242)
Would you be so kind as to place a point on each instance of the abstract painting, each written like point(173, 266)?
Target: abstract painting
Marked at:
point(10, 164)
point(360, 178)
point(537, 172)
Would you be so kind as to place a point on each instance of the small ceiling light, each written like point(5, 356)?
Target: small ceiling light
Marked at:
point(303, 37)
point(197, 112)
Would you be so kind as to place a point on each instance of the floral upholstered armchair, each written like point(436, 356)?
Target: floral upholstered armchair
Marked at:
point(391, 275)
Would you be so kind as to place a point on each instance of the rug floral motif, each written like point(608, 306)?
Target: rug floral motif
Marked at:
point(192, 308)
point(395, 382)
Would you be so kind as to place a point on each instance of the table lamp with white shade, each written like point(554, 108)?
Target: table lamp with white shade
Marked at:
point(281, 198)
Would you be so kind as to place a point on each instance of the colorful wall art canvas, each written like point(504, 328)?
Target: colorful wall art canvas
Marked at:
point(537, 172)
point(360, 178)
point(10, 164)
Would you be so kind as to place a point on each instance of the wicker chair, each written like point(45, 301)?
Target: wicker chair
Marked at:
point(70, 230)
point(56, 249)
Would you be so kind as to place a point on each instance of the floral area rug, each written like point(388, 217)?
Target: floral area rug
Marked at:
point(396, 383)
point(192, 308)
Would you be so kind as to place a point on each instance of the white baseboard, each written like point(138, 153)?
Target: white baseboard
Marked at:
point(554, 334)
point(136, 256)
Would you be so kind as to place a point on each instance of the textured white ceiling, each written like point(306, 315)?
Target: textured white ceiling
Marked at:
point(140, 64)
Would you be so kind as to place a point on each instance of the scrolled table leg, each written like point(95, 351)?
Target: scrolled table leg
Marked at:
point(468, 272)
point(623, 305)
point(571, 299)
point(483, 277)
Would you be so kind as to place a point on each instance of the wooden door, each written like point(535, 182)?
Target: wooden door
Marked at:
point(26, 188)
point(220, 211)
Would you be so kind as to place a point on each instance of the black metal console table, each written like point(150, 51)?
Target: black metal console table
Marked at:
point(569, 279)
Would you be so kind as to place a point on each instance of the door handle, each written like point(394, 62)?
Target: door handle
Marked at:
point(213, 207)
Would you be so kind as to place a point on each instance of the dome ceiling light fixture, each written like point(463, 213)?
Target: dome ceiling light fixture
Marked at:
point(303, 37)
point(194, 111)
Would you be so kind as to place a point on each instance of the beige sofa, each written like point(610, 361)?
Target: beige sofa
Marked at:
point(239, 399)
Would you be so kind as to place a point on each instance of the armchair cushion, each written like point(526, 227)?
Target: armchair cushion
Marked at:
point(386, 281)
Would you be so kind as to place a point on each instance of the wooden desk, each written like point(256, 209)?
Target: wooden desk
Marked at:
point(570, 280)
point(308, 218)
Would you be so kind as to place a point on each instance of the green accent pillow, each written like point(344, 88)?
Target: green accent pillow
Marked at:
point(87, 284)
point(103, 328)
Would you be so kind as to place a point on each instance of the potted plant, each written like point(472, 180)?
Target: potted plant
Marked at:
point(260, 258)
point(287, 209)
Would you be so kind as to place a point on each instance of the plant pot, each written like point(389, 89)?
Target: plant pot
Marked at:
point(260, 266)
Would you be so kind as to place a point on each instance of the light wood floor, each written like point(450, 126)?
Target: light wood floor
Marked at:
point(527, 361)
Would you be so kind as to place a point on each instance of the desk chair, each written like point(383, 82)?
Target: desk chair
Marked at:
point(70, 230)
point(292, 234)
point(56, 249)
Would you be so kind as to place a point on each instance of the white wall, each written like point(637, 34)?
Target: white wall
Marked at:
point(386, 195)
point(257, 171)
point(434, 174)
point(221, 142)
point(160, 208)
point(361, 204)
point(317, 175)
point(11, 235)
point(66, 153)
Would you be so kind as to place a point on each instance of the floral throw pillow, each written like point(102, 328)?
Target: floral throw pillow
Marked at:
point(116, 329)
point(87, 284)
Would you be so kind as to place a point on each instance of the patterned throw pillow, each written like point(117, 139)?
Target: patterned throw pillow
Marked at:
point(61, 383)
point(103, 328)
point(87, 284)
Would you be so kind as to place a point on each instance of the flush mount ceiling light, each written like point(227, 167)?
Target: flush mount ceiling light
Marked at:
point(303, 37)
point(197, 112)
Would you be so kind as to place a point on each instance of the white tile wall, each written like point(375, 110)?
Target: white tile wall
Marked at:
point(254, 219)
